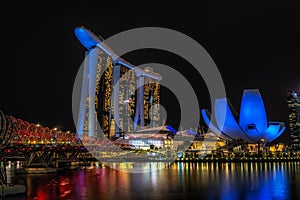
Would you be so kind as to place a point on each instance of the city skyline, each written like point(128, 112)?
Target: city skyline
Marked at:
point(254, 46)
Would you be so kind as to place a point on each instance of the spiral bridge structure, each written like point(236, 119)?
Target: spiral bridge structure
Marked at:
point(7, 128)
point(36, 146)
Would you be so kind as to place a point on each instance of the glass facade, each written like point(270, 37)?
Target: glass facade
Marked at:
point(293, 103)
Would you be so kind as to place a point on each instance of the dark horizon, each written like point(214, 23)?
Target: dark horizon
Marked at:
point(253, 46)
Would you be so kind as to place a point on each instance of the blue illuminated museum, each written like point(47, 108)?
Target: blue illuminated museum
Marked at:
point(250, 125)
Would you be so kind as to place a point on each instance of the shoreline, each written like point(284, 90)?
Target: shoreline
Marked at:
point(90, 165)
point(239, 160)
point(202, 160)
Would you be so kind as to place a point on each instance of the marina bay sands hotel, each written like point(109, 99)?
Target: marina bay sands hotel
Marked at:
point(119, 96)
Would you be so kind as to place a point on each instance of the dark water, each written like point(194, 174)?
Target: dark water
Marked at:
point(228, 181)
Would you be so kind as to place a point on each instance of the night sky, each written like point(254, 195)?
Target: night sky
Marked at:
point(254, 45)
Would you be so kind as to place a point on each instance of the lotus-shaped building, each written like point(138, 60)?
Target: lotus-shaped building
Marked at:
point(252, 125)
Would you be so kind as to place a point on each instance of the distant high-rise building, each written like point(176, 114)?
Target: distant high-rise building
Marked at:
point(293, 102)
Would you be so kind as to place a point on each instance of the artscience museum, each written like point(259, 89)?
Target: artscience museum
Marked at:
point(249, 125)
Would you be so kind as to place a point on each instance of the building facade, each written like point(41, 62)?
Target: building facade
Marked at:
point(293, 103)
point(115, 94)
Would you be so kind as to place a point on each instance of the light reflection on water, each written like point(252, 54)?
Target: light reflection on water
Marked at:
point(225, 181)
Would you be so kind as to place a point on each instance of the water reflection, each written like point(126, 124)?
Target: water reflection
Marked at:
point(174, 181)
point(137, 167)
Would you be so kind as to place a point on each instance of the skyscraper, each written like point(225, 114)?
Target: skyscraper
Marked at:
point(123, 98)
point(293, 102)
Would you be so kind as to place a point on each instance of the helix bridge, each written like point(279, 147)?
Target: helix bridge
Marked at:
point(37, 146)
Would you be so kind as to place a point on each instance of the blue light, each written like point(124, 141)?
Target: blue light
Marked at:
point(252, 111)
point(190, 132)
point(253, 125)
point(211, 126)
point(170, 128)
point(274, 130)
point(85, 38)
point(226, 121)
point(89, 40)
